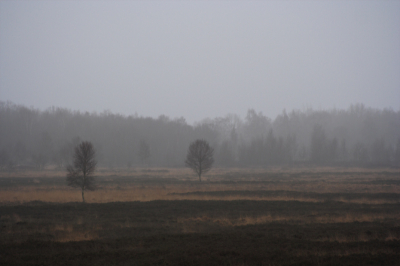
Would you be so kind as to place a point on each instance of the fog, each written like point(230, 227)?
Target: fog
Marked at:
point(356, 136)
point(200, 59)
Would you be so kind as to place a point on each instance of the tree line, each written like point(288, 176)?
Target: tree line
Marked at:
point(30, 138)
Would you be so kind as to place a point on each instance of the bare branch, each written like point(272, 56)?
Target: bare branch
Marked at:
point(200, 157)
point(79, 174)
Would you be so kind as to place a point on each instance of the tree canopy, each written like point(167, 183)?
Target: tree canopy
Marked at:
point(79, 174)
point(200, 157)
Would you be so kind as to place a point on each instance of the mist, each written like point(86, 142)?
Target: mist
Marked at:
point(199, 59)
point(356, 136)
point(200, 132)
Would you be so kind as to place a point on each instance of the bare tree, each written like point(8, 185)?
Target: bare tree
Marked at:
point(84, 164)
point(200, 157)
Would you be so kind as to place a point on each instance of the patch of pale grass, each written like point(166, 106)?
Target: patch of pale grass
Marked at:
point(362, 237)
point(28, 194)
point(67, 233)
point(263, 219)
point(248, 220)
point(351, 218)
point(76, 236)
point(368, 201)
point(343, 252)
point(64, 232)
point(391, 237)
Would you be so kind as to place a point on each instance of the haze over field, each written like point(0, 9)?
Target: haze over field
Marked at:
point(200, 59)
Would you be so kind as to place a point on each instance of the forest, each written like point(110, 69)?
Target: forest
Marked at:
point(357, 136)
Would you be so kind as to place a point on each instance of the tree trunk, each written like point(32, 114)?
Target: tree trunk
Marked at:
point(200, 177)
point(83, 186)
point(83, 195)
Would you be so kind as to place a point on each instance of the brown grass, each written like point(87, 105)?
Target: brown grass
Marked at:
point(321, 219)
point(320, 180)
point(63, 194)
point(342, 253)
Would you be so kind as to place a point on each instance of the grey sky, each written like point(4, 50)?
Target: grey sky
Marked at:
point(200, 59)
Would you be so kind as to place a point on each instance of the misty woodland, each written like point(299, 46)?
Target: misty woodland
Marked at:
point(357, 136)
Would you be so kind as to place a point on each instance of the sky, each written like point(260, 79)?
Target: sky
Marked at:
point(200, 59)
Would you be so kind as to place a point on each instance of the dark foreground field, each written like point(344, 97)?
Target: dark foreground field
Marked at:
point(260, 219)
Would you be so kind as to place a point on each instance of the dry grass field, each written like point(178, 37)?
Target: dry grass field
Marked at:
point(159, 216)
point(180, 184)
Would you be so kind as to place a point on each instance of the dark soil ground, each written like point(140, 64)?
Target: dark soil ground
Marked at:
point(332, 228)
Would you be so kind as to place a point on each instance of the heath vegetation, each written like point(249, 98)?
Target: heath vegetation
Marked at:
point(165, 216)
